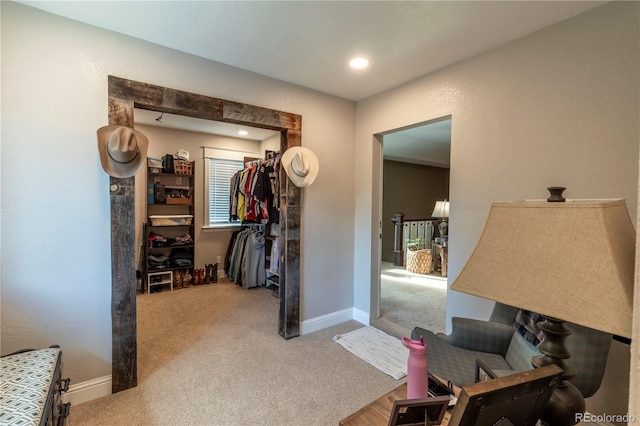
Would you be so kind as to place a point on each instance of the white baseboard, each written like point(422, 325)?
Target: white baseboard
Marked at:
point(361, 316)
point(328, 320)
point(87, 391)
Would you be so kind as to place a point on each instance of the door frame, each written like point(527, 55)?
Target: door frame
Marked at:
point(126, 95)
point(377, 202)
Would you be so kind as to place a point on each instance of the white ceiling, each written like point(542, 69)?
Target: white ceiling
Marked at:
point(171, 121)
point(309, 43)
point(426, 144)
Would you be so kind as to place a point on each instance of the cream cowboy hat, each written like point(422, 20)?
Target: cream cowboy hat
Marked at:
point(123, 150)
point(301, 165)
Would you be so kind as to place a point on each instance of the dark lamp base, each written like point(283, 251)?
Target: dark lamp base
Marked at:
point(566, 401)
point(564, 406)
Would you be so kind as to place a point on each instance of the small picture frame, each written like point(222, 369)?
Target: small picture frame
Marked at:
point(483, 372)
point(514, 400)
point(438, 388)
point(419, 412)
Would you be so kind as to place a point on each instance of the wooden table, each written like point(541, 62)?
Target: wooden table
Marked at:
point(379, 411)
point(442, 253)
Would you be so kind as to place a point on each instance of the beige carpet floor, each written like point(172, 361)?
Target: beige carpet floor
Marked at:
point(409, 300)
point(211, 355)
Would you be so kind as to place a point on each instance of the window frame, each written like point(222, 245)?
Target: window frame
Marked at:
point(208, 162)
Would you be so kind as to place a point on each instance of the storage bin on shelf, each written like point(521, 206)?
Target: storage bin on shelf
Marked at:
point(171, 220)
point(154, 164)
point(178, 200)
point(177, 195)
point(183, 167)
point(419, 261)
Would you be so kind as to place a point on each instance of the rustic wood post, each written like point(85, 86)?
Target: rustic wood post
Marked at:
point(124, 350)
point(291, 205)
point(124, 355)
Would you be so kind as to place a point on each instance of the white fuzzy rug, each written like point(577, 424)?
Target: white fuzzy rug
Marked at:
point(379, 349)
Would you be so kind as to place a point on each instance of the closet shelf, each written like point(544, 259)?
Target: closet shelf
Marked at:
point(172, 218)
point(170, 268)
point(171, 247)
point(180, 175)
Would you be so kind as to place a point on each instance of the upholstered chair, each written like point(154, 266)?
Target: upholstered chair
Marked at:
point(504, 350)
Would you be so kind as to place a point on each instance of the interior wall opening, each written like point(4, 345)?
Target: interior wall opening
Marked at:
point(168, 134)
point(127, 95)
point(415, 176)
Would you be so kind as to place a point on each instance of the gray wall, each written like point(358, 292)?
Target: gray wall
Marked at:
point(56, 273)
point(413, 190)
point(557, 107)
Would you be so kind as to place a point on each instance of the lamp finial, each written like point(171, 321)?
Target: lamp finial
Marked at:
point(556, 194)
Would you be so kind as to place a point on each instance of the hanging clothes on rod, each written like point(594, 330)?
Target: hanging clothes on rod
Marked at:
point(274, 264)
point(254, 199)
point(255, 192)
point(246, 257)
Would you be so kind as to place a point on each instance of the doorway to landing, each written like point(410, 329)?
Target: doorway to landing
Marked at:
point(415, 174)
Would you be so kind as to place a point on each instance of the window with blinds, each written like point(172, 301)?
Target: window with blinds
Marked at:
point(219, 187)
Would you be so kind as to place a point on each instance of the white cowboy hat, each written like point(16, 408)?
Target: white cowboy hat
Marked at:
point(301, 165)
point(123, 150)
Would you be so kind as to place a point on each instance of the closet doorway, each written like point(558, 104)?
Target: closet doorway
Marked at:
point(201, 139)
point(415, 174)
point(126, 95)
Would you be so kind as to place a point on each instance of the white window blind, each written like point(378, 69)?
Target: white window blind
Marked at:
point(219, 187)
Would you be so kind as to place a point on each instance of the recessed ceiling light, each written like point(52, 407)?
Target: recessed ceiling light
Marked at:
point(243, 132)
point(359, 63)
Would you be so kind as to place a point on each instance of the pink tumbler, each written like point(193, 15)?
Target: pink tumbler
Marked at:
point(417, 372)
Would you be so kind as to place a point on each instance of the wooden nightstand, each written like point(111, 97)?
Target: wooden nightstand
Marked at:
point(441, 252)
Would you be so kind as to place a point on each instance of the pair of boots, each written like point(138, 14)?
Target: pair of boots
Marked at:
point(211, 273)
point(198, 276)
point(181, 279)
point(207, 275)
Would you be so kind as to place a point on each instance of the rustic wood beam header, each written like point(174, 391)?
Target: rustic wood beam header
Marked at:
point(162, 99)
point(237, 113)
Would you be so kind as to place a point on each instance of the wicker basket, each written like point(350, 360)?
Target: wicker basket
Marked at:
point(183, 167)
point(419, 261)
